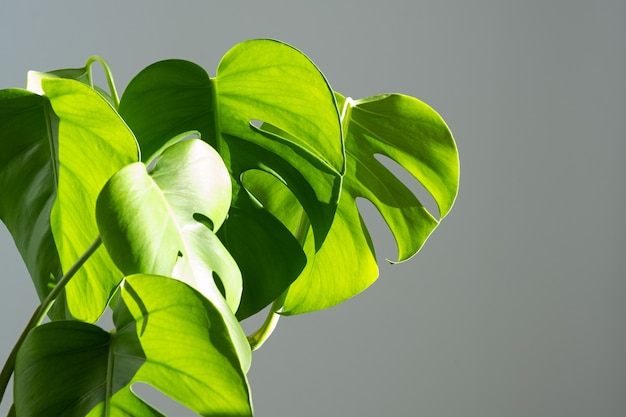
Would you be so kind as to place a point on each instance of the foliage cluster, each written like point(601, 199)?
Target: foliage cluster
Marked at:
point(190, 204)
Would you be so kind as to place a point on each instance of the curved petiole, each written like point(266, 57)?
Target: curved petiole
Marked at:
point(40, 314)
point(260, 336)
point(107, 73)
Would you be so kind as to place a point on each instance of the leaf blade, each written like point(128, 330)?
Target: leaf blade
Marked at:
point(149, 225)
point(414, 135)
point(65, 367)
point(88, 125)
point(28, 182)
point(183, 97)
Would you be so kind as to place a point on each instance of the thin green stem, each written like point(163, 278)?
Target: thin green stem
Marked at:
point(107, 73)
point(216, 117)
point(346, 115)
point(259, 337)
point(40, 314)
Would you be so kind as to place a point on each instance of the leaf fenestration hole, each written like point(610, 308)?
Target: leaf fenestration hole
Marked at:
point(274, 131)
point(160, 401)
point(106, 319)
point(199, 217)
point(379, 231)
point(422, 194)
point(219, 284)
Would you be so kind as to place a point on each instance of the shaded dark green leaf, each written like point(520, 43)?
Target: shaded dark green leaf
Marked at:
point(28, 182)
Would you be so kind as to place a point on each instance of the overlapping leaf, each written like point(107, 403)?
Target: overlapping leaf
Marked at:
point(257, 82)
point(28, 181)
point(405, 130)
point(93, 144)
point(163, 223)
point(167, 335)
point(34, 78)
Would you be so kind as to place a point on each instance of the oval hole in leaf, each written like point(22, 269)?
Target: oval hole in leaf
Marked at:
point(160, 401)
point(219, 284)
point(412, 183)
point(270, 193)
point(199, 217)
point(256, 123)
point(381, 235)
point(152, 163)
point(106, 320)
point(243, 179)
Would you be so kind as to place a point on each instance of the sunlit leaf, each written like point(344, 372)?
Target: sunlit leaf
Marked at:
point(410, 133)
point(83, 75)
point(93, 144)
point(166, 335)
point(156, 222)
point(35, 78)
point(258, 83)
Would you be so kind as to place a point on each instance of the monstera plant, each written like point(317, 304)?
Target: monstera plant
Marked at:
point(190, 204)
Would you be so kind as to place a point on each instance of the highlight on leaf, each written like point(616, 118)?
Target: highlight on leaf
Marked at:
point(191, 204)
point(166, 334)
point(411, 134)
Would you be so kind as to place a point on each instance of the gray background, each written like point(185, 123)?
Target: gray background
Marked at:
point(515, 306)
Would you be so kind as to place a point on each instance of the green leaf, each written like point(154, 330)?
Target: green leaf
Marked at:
point(258, 83)
point(167, 335)
point(273, 270)
point(93, 144)
point(158, 222)
point(35, 78)
point(277, 84)
point(412, 134)
point(28, 181)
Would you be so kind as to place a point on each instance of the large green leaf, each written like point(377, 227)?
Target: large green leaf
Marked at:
point(257, 82)
point(93, 144)
point(29, 173)
point(160, 222)
point(28, 181)
point(166, 335)
point(405, 130)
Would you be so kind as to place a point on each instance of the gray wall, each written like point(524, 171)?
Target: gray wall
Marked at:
point(515, 307)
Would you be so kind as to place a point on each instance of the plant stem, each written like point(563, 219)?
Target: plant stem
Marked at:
point(108, 74)
point(216, 118)
point(259, 337)
point(40, 314)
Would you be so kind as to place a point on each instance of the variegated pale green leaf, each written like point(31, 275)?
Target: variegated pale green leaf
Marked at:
point(163, 222)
